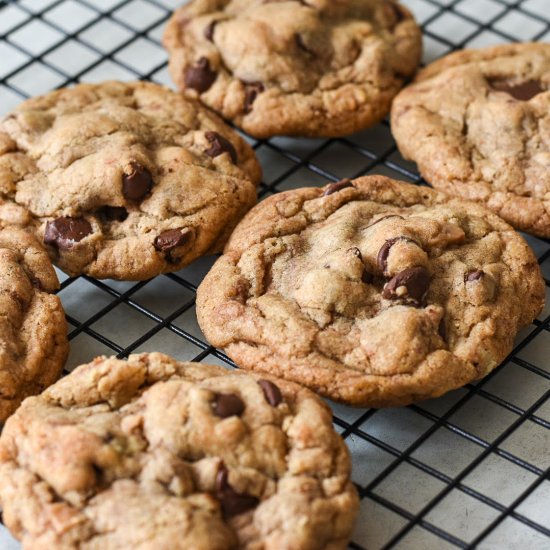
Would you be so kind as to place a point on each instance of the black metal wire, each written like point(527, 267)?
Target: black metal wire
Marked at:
point(388, 160)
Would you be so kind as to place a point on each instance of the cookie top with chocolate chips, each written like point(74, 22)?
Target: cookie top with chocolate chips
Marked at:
point(33, 331)
point(477, 123)
point(308, 67)
point(154, 453)
point(372, 292)
point(123, 180)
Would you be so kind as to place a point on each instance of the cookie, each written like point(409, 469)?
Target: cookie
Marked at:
point(154, 453)
point(477, 123)
point(308, 68)
point(33, 330)
point(124, 180)
point(371, 292)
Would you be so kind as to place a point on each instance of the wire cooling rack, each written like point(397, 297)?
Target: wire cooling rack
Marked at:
point(470, 469)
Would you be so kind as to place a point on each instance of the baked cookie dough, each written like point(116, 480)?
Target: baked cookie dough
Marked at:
point(477, 123)
point(153, 453)
point(124, 180)
point(308, 67)
point(33, 330)
point(371, 292)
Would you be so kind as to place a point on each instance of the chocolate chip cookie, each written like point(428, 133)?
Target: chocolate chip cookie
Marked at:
point(477, 123)
point(307, 67)
point(371, 292)
point(124, 180)
point(153, 453)
point(33, 330)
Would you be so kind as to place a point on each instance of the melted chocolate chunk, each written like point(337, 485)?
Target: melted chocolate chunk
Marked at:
point(232, 503)
point(524, 91)
point(473, 276)
point(272, 393)
point(384, 252)
point(337, 186)
point(220, 145)
point(170, 239)
point(227, 404)
point(137, 183)
point(66, 231)
point(200, 76)
point(252, 91)
point(414, 280)
point(209, 30)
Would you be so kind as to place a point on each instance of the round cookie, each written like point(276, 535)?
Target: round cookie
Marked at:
point(308, 68)
point(33, 330)
point(156, 453)
point(371, 292)
point(124, 180)
point(477, 123)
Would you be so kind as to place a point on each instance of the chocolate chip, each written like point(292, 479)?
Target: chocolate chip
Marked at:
point(227, 404)
point(337, 186)
point(200, 76)
point(473, 276)
point(66, 231)
point(137, 182)
point(112, 213)
point(385, 218)
point(170, 239)
point(222, 479)
point(299, 39)
point(220, 145)
point(209, 30)
point(251, 90)
point(232, 503)
point(271, 392)
point(384, 252)
point(414, 280)
point(524, 91)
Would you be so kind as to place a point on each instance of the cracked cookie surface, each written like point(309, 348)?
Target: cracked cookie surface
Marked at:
point(372, 292)
point(311, 68)
point(154, 453)
point(477, 123)
point(33, 330)
point(123, 180)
